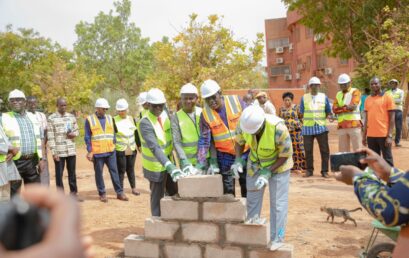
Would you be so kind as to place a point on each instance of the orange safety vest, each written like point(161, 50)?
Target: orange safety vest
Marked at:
point(101, 141)
point(223, 136)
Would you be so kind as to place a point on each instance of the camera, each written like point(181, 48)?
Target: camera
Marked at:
point(21, 224)
point(347, 158)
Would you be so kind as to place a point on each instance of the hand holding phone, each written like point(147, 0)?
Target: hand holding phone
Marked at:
point(347, 158)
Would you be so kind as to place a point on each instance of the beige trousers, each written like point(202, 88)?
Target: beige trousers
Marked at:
point(5, 193)
point(348, 136)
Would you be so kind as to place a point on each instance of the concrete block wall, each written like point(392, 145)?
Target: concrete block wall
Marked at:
point(202, 222)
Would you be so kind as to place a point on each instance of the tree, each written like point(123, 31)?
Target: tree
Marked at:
point(114, 47)
point(202, 51)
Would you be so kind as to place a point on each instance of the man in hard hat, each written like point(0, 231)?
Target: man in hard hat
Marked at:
point(156, 137)
point(100, 141)
point(125, 135)
point(315, 109)
point(398, 97)
point(265, 103)
point(218, 123)
point(346, 106)
point(23, 130)
point(269, 163)
point(185, 128)
point(144, 109)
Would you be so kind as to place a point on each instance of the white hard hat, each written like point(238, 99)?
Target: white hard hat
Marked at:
point(155, 96)
point(314, 80)
point(344, 78)
point(252, 118)
point(121, 105)
point(394, 80)
point(102, 103)
point(142, 98)
point(16, 94)
point(189, 89)
point(209, 88)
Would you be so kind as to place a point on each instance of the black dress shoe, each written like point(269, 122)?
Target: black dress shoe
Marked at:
point(307, 174)
point(325, 175)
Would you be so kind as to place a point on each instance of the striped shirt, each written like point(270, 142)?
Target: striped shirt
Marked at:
point(58, 126)
point(28, 139)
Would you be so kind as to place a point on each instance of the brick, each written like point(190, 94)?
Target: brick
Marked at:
point(225, 211)
point(285, 251)
point(213, 251)
point(200, 232)
point(179, 210)
point(182, 251)
point(158, 229)
point(136, 245)
point(248, 234)
point(200, 186)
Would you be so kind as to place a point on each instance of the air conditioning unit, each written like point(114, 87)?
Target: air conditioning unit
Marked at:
point(290, 47)
point(328, 71)
point(298, 76)
point(279, 60)
point(301, 66)
point(288, 77)
point(279, 50)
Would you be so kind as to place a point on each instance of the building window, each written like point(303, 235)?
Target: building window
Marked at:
point(308, 32)
point(343, 61)
point(274, 43)
point(280, 70)
point(321, 61)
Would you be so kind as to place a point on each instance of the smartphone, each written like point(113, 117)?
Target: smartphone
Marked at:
point(347, 158)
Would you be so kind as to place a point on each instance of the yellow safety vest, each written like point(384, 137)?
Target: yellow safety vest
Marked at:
point(102, 141)
point(349, 116)
point(125, 136)
point(314, 112)
point(190, 132)
point(397, 98)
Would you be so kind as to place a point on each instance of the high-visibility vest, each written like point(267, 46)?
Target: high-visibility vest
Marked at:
point(164, 139)
point(190, 132)
point(2, 141)
point(352, 115)
point(102, 141)
point(264, 151)
point(12, 130)
point(125, 136)
point(223, 136)
point(314, 112)
point(397, 98)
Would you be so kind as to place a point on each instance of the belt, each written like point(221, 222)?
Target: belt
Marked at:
point(27, 156)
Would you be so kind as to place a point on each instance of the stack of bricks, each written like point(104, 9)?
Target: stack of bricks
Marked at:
point(203, 223)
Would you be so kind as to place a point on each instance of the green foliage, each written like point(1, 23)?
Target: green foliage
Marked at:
point(115, 49)
point(202, 51)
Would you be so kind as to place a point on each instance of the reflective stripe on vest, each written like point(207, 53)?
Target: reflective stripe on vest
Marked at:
point(164, 140)
point(397, 98)
point(102, 141)
point(12, 130)
point(2, 142)
point(125, 135)
point(349, 116)
point(264, 152)
point(314, 112)
point(190, 132)
point(223, 136)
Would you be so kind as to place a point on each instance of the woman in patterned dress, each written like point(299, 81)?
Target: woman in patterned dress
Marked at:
point(291, 115)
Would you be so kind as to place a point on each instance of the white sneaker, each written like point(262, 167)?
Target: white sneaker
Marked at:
point(275, 246)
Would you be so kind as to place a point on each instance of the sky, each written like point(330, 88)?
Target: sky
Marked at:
point(56, 19)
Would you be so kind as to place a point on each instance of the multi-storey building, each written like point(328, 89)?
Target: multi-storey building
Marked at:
point(293, 56)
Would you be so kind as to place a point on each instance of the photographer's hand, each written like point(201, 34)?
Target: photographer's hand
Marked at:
point(347, 174)
point(381, 168)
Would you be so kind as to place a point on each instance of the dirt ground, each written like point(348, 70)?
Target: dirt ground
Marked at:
point(307, 229)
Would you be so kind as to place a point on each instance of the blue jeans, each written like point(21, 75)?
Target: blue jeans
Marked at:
point(110, 161)
point(398, 125)
point(225, 160)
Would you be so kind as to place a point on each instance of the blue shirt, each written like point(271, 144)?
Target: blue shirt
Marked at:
point(363, 98)
point(316, 129)
point(88, 135)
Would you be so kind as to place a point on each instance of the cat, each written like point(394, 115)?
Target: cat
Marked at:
point(339, 213)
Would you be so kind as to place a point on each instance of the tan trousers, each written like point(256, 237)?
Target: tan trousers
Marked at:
point(5, 193)
point(348, 136)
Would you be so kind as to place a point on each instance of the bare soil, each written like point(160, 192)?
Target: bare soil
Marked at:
point(307, 229)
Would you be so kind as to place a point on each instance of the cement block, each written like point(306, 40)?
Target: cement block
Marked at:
point(179, 210)
point(156, 228)
point(248, 234)
point(286, 251)
point(200, 232)
point(182, 251)
point(225, 211)
point(213, 251)
point(137, 246)
point(200, 186)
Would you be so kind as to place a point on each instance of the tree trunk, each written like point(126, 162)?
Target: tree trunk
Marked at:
point(405, 113)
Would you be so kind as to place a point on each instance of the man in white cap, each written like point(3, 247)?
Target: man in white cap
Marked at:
point(398, 97)
point(265, 103)
point(100, 141)
point(218, 123)
point(185, 128)
point(347, 106)
point(315, 109)
point(23, 131)
point(269, 163)
point(125, 135)
point(156, 137)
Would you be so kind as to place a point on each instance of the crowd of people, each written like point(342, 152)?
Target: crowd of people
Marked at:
point(246, 138)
